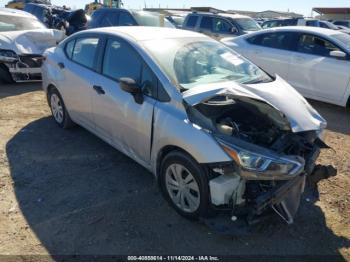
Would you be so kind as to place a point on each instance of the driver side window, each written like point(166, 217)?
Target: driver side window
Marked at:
point(222, 26)
point(314, 45)
point(121, 60)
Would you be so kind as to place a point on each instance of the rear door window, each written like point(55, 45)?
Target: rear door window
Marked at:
point(85, 51)
point(283, 40)
point(192, 21)
point(69, 48)
point(207, 23)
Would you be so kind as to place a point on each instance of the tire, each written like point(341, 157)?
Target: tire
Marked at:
point(194, 183)
point(58, 109)
point(5, 76)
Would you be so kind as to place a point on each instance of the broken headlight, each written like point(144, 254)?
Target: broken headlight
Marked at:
point(260, 167)
point(8, 56)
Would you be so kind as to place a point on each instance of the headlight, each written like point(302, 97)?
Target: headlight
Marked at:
point(8, 56)
point(258, 166)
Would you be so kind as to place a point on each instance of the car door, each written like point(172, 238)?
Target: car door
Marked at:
point(315, 73)
point(78, 75)
point(119, 119)
point(271, 52)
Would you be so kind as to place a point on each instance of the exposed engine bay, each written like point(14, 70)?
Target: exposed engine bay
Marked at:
point(263, 130)
point(241, 119)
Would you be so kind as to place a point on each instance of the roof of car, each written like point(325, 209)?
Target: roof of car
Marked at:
point(14, 12)
point(142, 33)
point(234, 16)
point(304, 29)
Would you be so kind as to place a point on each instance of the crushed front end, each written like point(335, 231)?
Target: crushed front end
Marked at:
point(25, 67)
point(270, 161)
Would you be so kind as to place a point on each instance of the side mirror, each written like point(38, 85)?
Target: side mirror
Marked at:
point(129, 85)
point(337, 54)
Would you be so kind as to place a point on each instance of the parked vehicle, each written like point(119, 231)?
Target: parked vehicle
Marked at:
point(106, 17)
point(329, 25)
point(70, 21)
point(23, 39)
point(315, 61)
point(345, 23)
point(214, 129)
point(291, 22)
point(220, 25)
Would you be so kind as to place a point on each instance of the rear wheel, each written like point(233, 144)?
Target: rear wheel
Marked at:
point(185, 185)
point(58, 109)
point(5, 76)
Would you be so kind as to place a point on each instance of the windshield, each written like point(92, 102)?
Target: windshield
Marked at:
point(17, 23)
point(176, 20)
point(344, 38)
point(248, 24)
point(191, 62)
point(144, 18)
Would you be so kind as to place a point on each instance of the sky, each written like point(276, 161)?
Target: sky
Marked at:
point(299, 6)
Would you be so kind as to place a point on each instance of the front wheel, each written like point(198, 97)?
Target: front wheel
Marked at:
point(58, 109)
point(185, 185)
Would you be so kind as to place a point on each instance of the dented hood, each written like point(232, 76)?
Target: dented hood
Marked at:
point(30, 41)
point(278, 94)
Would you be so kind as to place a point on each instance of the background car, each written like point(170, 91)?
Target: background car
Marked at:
point(290, 22)
point(220, 25)
point(211, 126)
point(23, 39)
point(106, 17)
point(345, 23)
point(329, 25)
point(315, 61)
point(70, 21)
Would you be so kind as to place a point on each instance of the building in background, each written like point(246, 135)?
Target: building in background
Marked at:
point(332, 13)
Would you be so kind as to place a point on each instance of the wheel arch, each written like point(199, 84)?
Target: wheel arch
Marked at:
point(164, 152)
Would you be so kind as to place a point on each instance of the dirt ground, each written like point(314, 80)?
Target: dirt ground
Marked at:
point(68, 192)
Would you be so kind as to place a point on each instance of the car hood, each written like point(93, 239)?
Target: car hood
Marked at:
point(30, 41)
point(278, 94)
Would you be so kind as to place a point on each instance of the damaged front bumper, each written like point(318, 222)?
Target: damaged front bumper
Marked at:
point(247, 197)
point(24, 67)
point(283, 200)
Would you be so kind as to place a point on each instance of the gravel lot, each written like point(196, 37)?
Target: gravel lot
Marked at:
point(68, 192)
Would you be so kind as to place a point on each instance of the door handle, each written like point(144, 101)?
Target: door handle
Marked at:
point(60, 65)
point(99, 90)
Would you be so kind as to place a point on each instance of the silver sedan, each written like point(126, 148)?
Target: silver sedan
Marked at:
point(217, 132)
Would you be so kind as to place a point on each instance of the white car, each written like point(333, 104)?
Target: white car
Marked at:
point(315, 61)
point(23, 39)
